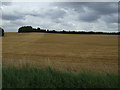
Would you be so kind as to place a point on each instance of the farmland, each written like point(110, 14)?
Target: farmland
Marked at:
point(64, 52)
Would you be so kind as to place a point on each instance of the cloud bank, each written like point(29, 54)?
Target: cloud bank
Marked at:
point(87, 16)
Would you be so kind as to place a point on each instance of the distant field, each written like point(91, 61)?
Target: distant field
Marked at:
point(68, 52)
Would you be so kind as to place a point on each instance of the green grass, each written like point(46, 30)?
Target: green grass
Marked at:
point(28, 77)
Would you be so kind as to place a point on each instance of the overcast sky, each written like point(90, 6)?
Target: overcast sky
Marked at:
point(87, 16)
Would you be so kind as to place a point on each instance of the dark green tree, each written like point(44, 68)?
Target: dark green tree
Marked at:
point(1, 32)
point(25, 29)
point(38, 28)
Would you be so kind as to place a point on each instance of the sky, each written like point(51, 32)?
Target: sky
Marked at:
point(83, 16)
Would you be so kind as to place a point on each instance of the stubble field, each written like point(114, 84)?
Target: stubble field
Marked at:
point(68, 52)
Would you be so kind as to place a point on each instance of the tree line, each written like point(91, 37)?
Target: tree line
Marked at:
point(26, 29)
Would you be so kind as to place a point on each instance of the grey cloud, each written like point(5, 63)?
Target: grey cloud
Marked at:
point(57, 20)
point(94, 9)
point(6, 3)
point(11, 17)
point(35, 15)
point(89, 16)
point(101, 7)
point(104, 7)
point(55, 14)
point(15, 15)
point(76, 6)
point(110, 19)
point(52, 13)
point(68, 16)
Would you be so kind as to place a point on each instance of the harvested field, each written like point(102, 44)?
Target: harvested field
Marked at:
point(68, 52)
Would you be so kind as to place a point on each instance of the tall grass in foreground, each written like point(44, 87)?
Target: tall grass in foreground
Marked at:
point(48, 78)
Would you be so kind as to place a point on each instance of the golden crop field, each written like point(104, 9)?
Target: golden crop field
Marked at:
point(68, 52)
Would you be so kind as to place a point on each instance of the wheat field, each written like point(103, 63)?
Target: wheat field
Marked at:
point(68, 52)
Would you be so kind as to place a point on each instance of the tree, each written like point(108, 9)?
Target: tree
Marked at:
point(25, 29)
point(1, 32)
point(38, 28)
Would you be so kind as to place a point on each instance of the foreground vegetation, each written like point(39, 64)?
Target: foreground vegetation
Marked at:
point(28, 77)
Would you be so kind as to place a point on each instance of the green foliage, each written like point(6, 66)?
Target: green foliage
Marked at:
point(30, 29)
point(25, 29)
point(38, 28)
point(48, 78)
